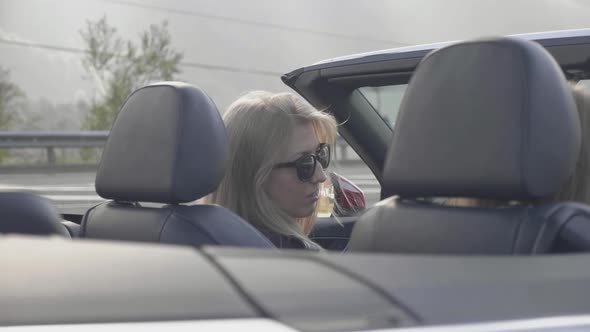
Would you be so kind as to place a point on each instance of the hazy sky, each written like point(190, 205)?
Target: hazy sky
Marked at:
point(273, 36)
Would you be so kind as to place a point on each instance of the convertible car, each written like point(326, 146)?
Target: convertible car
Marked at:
point(489, 118)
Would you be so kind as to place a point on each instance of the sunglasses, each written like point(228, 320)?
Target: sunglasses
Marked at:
point(305, 165)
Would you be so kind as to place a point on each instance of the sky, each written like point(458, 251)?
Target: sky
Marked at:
point(250, 43)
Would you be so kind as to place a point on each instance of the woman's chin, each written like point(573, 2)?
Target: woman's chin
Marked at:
point(304, 212)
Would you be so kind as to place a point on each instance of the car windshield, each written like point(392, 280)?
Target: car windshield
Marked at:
point(68, 65)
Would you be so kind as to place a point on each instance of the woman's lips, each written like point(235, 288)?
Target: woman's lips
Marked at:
point(313, 197)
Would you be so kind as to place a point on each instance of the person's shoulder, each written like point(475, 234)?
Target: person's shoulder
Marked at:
point(283, 241)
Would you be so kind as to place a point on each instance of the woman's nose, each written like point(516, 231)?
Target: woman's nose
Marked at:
point(319, 175)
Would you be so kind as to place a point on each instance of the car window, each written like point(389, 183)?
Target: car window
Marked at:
point(386, 100)
point(346, 162)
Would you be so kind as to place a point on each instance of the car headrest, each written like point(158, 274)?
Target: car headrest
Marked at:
point(167, 145)
point(26, 213)
point(490, 118)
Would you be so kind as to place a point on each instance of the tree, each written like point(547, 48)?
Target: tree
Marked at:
point(11, 97)
point(120, 66)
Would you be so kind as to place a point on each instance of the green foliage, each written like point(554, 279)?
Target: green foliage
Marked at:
point(120, 66)
point(11, 97)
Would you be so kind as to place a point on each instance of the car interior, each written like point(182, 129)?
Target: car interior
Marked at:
point(511, 137)
point(341, 86)
point(26, 213)
point(167, 148)
point(153, 163)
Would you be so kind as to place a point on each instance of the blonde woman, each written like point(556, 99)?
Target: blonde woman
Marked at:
point(280, 148)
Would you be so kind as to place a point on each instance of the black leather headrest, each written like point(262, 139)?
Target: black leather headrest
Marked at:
point(488, 118)
point(167, 145)
point(25, 213)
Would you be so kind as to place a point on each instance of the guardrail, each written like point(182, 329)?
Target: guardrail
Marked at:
point(51, 140)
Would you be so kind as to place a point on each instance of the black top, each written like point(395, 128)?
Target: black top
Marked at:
point(282, 241)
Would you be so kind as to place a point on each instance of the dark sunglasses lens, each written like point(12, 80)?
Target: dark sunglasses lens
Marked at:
point(324, 155)
point(305, 167)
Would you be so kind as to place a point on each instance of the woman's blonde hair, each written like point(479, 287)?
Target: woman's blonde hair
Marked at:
point(577, 188)
point(259, 126)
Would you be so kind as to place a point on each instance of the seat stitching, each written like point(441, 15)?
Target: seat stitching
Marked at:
point(164, 225)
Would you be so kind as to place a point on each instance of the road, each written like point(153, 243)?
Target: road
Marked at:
point(74, 191)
